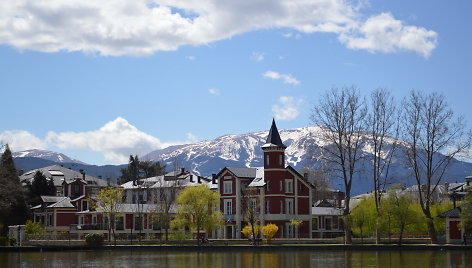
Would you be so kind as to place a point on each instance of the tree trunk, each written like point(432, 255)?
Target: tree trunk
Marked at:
point(401, 235)
point(377, 233)
point(431, 229)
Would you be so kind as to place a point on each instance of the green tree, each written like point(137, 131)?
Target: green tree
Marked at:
point(40, 186)
point(296, 223)
point(198, 209)
point(364, 218)
point(13, 209)
point(466, 213)
point(110, 201)
point(397, 207)
point(34, 228)
point(137, 169)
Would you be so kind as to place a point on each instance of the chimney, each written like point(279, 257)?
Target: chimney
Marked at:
point(182, 170)
point(199, 179)
point(213, 178)
point(83, 174)
point(100, 176)
point(446, 187)
point(191, 178)
point(305, 176)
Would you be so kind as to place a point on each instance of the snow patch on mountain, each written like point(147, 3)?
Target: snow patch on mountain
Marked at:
point(48, 155)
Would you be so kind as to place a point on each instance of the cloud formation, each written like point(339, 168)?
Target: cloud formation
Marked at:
point(257, 56)
point(20, 140)
point(117, 140)
point(386, 34)
point(288, 108)
point(142, 27)
point(214, 91)
point(286, 78)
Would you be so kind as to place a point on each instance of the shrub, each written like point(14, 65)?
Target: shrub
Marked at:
point(94, 240)
point(269, 231)
point(12, 241)
point(247, 230)
point(34, 228)
point(179, 235)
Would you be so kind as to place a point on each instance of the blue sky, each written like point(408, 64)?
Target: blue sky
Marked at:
point(99, 80)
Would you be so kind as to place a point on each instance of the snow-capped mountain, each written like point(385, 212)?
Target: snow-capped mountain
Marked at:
point(244, 150)
point(47, 155)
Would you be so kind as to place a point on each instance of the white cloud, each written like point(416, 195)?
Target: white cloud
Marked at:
point(191, 138)
point(288, 108)
point(386, 34)
point(287, 78)
point(191, 58)
point(214, 91)
point(142, 27)
point(257, 56)
point(116, 140)
point(20, 140)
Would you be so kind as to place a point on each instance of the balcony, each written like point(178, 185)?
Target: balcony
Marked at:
point(228, 217)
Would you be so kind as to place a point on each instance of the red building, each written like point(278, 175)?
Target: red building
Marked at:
point(277, 193)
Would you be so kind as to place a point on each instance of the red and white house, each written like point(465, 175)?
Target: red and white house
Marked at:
point(279, 193)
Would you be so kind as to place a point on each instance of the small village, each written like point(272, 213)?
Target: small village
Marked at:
point(248, 206)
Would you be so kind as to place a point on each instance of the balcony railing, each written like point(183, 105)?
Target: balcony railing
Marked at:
point(228, 217)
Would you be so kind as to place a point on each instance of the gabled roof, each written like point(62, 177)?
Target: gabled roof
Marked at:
point(243, 172)
point(455, 212)
point(64, 203)
point(59, 174)
point(273, 139)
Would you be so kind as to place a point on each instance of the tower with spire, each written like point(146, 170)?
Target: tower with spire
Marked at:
point(274, 149)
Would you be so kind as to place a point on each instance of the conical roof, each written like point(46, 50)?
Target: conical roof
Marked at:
point(274, 137)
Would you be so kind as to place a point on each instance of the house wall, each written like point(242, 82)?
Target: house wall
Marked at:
point(66, 218)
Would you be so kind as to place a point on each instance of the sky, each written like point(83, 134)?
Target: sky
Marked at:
point(100, 80)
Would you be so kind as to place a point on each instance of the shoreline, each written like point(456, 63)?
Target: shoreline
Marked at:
point(260, 248)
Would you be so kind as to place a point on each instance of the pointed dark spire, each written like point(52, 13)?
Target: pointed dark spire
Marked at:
point(274, 137)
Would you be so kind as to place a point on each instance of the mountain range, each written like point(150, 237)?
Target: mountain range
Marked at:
point(244, 150)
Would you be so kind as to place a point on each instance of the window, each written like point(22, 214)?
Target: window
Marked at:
point(76, 189)
point(228, 185)
point(289, 206)
point(267, 160)
point(314, 224)
point(280, 160)
point(50, 220)
point(120, 223)
point(300, 189)
point(328, 223)
point(228, 209)
point(289, 186)
point(335, 222)
point(84, 205)
point(268, 186)
point(281, 186)
point(94, 219)
point(281, 207)
point(138, 223)
point(253, 204)
point(268, 207)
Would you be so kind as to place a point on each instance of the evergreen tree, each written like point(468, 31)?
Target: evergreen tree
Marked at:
point(137, 169)
point(40, 186)
point(13, 209)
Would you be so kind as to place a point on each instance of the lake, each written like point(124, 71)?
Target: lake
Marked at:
point(291, 258)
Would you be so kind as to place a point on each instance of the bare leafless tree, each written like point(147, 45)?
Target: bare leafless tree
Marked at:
point(340, 115)
point(250, 207)
point(320, 182)
point(166, 191)
point(433, 136)
point(382, 123)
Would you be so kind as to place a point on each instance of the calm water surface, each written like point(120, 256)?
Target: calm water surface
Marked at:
point(292, 259)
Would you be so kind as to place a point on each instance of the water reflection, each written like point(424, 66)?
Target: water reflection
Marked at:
point(320, 258)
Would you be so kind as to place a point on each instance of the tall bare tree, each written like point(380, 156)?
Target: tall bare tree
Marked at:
point(250, 206)
point(434, 136)
point(166, 190)
point(340, 114)
point(382, 123)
